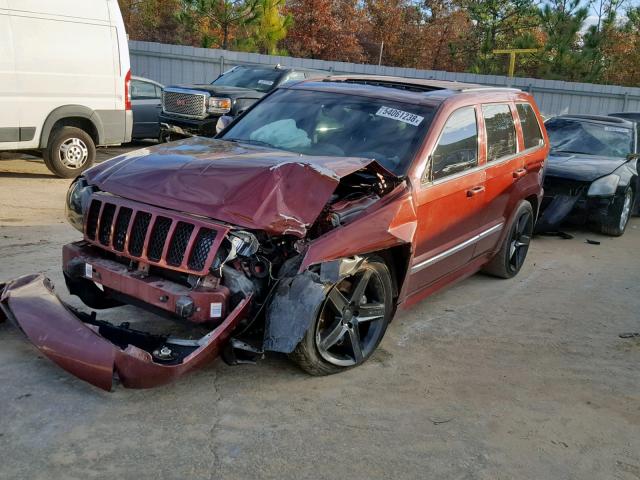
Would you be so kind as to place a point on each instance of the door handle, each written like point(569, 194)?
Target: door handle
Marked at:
point(519, 173)
point(475, 190)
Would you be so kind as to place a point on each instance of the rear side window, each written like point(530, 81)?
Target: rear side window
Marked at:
point(457, 148)
point(530, 127)
point(501, 131)
point(142, 90)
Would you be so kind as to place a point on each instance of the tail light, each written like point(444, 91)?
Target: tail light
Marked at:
point(127, 91)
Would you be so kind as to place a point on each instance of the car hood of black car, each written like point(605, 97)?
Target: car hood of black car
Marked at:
point(223, 91)
point(581, 167)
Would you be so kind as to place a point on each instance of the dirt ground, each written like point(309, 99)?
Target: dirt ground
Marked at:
point(491, 379)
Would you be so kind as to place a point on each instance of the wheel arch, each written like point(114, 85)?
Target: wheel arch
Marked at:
point(77, 116)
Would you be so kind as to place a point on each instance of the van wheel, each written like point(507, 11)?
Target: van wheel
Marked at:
point(509, 260)
point(70, 151)
point(350, 323)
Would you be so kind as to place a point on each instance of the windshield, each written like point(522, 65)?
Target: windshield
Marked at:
point(256, 78)
point(589, 138)
point(336, 125)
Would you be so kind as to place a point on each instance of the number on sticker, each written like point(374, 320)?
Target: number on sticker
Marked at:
point(400, 115)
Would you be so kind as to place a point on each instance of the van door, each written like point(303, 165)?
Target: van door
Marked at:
point(9, 113)
point(505, 167)
point(449, 202)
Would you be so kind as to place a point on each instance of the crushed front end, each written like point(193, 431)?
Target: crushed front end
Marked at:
point(239, 290)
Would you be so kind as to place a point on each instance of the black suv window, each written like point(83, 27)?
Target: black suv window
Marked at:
point(501, 131)
point(457, 148)
point(530, 127)
point(262, 79)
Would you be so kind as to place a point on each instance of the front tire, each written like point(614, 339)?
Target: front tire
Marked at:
point(70, 151)
point(616, 223)
point(513, 252)
point(350, 323)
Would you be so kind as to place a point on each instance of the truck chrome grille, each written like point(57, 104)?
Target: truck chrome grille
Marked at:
point(152, 235)
point(184, 104)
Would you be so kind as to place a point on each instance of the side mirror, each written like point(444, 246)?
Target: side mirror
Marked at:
point(223, 122)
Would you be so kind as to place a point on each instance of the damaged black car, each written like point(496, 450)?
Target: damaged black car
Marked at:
point(592, 173)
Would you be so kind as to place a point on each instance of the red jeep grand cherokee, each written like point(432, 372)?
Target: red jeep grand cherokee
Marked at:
point(300, 229)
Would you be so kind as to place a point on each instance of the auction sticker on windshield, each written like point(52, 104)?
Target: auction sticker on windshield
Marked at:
point(400, 115)
point(265, 82)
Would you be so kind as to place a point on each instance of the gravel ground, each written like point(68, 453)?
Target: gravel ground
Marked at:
point(490, 379)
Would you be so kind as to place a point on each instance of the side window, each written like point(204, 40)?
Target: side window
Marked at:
point(457, 149)
point(501, 131)
point(530, 126)
point(142, 90)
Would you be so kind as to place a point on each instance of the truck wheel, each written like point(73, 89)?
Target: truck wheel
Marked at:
point(509, 260)
point(351, 322)
point(69, 152)
point(616, 222)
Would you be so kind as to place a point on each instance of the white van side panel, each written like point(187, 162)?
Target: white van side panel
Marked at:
point(9, 117)
point(62, 63)
point(68, 9)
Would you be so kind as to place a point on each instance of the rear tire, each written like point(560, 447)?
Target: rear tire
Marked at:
point(615, 224)
point(512, 254)
point(328, 347)
point(69, 152)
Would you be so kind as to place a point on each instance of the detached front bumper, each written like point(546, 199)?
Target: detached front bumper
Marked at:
point(577, 208)
point(95, 351)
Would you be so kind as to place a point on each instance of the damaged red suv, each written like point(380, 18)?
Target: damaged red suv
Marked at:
point(300, 229)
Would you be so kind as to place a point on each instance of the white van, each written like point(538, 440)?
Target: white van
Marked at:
point(64, 80)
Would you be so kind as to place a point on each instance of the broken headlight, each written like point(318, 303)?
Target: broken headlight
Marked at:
point(239, 244)
point(219, 105)
point(78, 197)
point(604, 186)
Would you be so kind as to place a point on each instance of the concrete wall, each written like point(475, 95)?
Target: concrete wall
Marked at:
point(173, 64)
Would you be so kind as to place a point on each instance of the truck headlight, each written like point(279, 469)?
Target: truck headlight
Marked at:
point(604, 186)
point(219, 105)
point(78, 197)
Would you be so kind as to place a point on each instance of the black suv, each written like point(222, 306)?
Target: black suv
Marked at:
point(195, 109)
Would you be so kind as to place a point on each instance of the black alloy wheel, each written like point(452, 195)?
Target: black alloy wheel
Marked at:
point(351, 322)
point(515, 246)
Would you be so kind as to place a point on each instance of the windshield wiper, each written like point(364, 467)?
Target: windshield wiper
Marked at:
point(252, 142)
point(571, 151)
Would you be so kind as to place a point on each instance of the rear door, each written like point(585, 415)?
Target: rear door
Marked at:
point(9, 113)
point(147, 103)
point(505, 167)
point(449, 202)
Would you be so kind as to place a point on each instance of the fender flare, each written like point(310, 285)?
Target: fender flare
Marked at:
point(70, 111)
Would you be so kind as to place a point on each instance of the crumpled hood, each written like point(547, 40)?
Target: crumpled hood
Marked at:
point(581, 167)
point(249, 186)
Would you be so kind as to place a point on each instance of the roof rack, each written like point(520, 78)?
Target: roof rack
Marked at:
point(601, 118)
point(390, 83)
point(483, 89)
